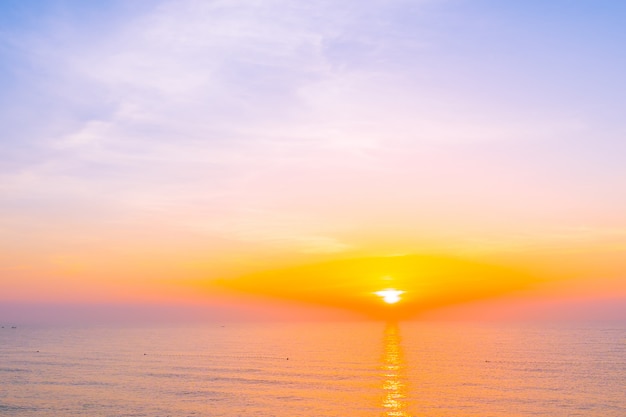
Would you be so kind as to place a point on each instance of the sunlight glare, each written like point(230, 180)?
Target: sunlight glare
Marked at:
point(390, 295)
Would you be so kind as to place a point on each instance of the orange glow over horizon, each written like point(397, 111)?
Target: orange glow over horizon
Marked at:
point(429, 282)
point(426, 282)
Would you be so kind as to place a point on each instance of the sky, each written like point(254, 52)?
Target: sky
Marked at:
point(200, 153)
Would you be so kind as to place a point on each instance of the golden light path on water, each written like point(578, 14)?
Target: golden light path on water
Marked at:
point(394, 382)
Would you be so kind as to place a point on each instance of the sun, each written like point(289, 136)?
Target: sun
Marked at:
point(390, 295)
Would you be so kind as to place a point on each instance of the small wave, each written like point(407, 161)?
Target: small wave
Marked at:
point(9, 407)
point(14, 370)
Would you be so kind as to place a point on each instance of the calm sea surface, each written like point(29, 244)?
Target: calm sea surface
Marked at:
point(364, 369)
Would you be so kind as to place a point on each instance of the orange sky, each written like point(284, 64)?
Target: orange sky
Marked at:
point(233, 154)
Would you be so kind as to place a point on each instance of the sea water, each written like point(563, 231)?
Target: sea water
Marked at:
point(325, 369)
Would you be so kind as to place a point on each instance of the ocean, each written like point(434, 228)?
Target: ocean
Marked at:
point(321, 369)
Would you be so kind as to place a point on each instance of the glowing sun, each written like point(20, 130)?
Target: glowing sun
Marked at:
point(390, 295)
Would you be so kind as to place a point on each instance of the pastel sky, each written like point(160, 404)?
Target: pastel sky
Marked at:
point(150, 148)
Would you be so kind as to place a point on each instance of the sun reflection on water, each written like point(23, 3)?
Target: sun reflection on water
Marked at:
point(394, 379)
